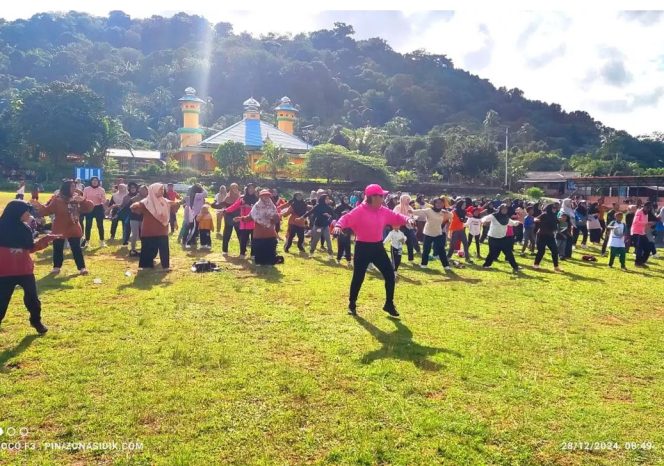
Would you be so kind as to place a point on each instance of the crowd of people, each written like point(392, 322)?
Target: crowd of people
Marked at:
point(439, 228)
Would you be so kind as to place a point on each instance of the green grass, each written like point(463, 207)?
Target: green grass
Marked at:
point(263, 366)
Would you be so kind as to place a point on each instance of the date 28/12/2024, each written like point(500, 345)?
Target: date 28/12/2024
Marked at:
point(594, 446)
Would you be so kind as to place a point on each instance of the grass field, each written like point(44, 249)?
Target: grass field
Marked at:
point(263, 366)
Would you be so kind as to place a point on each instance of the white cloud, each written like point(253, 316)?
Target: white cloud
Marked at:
point(599, 60)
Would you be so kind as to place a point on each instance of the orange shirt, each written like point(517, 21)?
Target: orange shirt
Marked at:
point(204, 222)
point(456, 224)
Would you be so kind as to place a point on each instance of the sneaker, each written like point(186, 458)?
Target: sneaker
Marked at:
point(352, 309)
point(102, 244)
point(486, 266)
point(310, 255)
point(55, 270)
point(83, 272)
point(424, 266)
point(224, 254)
point(391, 309)
point(338, 262)
point(623, 268)
point(583, 246)
point(187, 246)
point(517, 270)
point(396, 275)
point(447, 267)
point(84, 243)
point(133, 253)
point(654, 256)
point(558, 269)
point(41, 328)
point(536, 266)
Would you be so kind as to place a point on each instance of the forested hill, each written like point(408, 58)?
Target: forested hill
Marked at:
point(140, 67)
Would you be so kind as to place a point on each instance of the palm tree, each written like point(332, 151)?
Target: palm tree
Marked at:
point(275, 158)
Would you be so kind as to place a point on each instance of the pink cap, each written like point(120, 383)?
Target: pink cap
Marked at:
point(374, 190)
point(265, 192)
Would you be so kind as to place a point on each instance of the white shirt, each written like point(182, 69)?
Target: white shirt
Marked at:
point(396, 238)
point(474, 225)
point(617, 236)
point(434, 225)
point(496, 230)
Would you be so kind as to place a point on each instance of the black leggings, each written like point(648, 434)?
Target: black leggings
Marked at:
point(74, 245)
point(343, 247)
point(544, 242)
point(477, 242)
point(371, 253)
point(438, 243)
point(396, 257)
point(294, 230)
point(114, 226)
point(581, 229)
point(498, 245)
point(97, 214)
point(245, 238)
point(150, 245)
point(411, 241)
point(30, 297)
point(229, 226)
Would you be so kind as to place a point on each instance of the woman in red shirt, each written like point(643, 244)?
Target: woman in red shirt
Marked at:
point(16, 266)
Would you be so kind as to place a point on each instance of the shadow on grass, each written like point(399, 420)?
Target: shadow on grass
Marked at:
point(269, 273)
point(55, 282)
point(146, 279)
point(399, 344)
point(449, 276)
point(565, 274)
point(15, 351)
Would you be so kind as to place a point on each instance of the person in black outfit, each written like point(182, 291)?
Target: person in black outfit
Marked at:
point(547, 228)
point(296, 209)
point(321, 215)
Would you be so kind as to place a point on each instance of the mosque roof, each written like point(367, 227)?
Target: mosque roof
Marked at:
point(286, 104)
point(252, 133)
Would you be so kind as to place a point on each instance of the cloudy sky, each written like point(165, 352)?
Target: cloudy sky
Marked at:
point(609, 63)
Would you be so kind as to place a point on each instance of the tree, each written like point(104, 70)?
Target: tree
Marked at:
point(330, 161)
point(275, 158)
point(60, 119)
point(231, 158)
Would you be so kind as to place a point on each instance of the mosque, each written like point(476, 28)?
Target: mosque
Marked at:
point(196, 152)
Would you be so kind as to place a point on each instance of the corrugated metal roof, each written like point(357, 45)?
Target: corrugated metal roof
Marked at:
point(550, 177)
point(139, 154)
point(252, 133)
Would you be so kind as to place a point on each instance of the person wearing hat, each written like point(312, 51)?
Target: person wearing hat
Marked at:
point(265, 216)
point(367, 221)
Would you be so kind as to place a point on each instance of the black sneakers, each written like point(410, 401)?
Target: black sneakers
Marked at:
point(352, 309)
point(41, 328)
point(391, 309)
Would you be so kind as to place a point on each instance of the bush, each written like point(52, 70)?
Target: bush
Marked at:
point(535, 193)
point(406, 177)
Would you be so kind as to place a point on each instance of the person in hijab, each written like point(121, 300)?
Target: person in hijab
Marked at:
point(172, 195)
point(457, 230)
point(547, 229)
point(156, 211)
point(295, 209)
point(16, 266)
point(117, 198)
point(244, 205)
point(95, 194)
point(498, 239)
point(580, 220)
point(66, 207)
point(593, 224)
point(265, 216)
point(229, 225)
point(410, 232)
point(321, 218)
point(136, 219)
point(124, 211)
point(197, 197)
point(219, 203)
point(434, 236)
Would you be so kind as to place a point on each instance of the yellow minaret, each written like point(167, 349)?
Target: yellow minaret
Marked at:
point(286, 115)
point(191, 132)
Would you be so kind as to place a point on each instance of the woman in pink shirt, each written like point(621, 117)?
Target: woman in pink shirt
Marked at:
point(368, 220)
point(95, 194)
